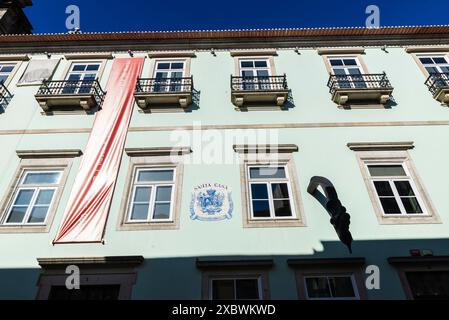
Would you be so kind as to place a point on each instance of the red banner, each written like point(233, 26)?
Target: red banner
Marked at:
point(88, 206)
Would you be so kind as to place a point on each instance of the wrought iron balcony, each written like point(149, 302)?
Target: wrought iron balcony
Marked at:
point(259, 89)
point(360, 88)
point(164, 92)
point(438, 84)
point(84, 93)
point(5, 96)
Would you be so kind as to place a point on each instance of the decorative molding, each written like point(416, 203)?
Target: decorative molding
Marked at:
point(309, 262)
point(14, 57)
point(158, 151)
point(424, 49)
point(273, 148)
point(63, 153)
point(119, 261)
point(418, 261)
point(261, 263)
point(171, 54)
point(93, 55)
point(258, 52)
point(354, 50)
point(380, 146)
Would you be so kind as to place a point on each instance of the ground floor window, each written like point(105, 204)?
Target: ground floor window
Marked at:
point(428, 285)
point(330, 287)
point(235, 289)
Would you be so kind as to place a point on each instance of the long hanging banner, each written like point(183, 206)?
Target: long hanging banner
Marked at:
point(88, 206)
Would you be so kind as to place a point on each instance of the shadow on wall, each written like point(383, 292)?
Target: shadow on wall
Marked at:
point(181, 278)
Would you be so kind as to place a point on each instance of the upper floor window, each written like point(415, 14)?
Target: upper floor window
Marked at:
point(5, 71)
point(168, 75)
point(255, 73)
point(350, 70)
point(326, 287)
point(270, 192)
point(81, 77)
point(33, 197)
point(395, 188)
point(435, 64)
point(152, 198)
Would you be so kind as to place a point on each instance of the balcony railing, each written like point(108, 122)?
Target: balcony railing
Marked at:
point(259, 83)
point(437, 81)
point(5, 96)
point(72, 88)
point(164, 85)
point(358, 82)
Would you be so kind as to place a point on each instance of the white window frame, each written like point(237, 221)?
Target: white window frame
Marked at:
point(154, 185)
point(254, 69)
point(444, 56)
point(327, 276)
point(168, 79)
point(408, 177)
point(36, 190)
point(234, 279)
point(269, 182)
point(82, 73)
point(10, 74)
point(359, 65)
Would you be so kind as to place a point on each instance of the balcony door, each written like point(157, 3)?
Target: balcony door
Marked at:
point(255, 74)
point(81, 77)
point(168, 76)
point(438, 69)
point(349, 72)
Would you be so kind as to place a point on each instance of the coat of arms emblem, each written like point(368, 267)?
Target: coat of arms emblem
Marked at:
point(211, 201)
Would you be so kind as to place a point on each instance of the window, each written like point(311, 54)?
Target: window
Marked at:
point(270, 192)
point(255, 74)
point(81, 77)
point(5, 71)
point(394, 188)
point(33, 198)
point(435, 64)
point(349, 71)
point(428, 285)
point(152, 195)
point(235, 289)
point(330, 287)
point(168, 76)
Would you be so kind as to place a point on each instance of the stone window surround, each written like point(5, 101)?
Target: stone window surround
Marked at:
point(38, 160)
point(17, 60)
point(70, 60)
point(115, 270)
point(153, 157)
point(248, 55)
point(263, 154)
point(393, 151)
point(346, 52)
point(328, 267)
point(426, 263)
point(416, 53)
point(234, 269)
point(155, 58)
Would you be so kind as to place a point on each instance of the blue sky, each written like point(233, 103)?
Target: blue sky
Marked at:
point(151, 15)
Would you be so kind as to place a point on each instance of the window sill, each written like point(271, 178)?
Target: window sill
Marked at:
point(274, 223)
point(136, 226)
point(24, 229)
point(423, 219)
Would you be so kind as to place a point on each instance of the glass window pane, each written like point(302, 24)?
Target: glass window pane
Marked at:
point(7, 69)
point(163, 66)
point(336, 62)
point(386, 170)
point(280, 190)
point(355, 71)
point(317, 288)
point(247, 64)
point(261, 208)
point(163, 193)
point(383, 188)
point(426, 60)
point(350, 62)
point(155, 175)
point(93, 67)
point(74, 77)
point(404, 188)
point(44, 197)
point(267, 173)
point(79, 67)
point(260, 64)
point(439, 60)
point(161, 211)
point(282, 208)
point(390, 206)
point(38, 214)
point(142, 194)
point(17, 214)
point(431, 70)
point(24, 197)
point(247, 73)
point(177, 65)
point(3, 78)
point(341, 287)
point(259, 191)
point(139, 212)
point(411, 205)
point(223, 289)
point(42, 178)
point(263, 73)
point(247, 289)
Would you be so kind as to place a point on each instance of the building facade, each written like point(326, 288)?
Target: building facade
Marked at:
point(196, 210)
